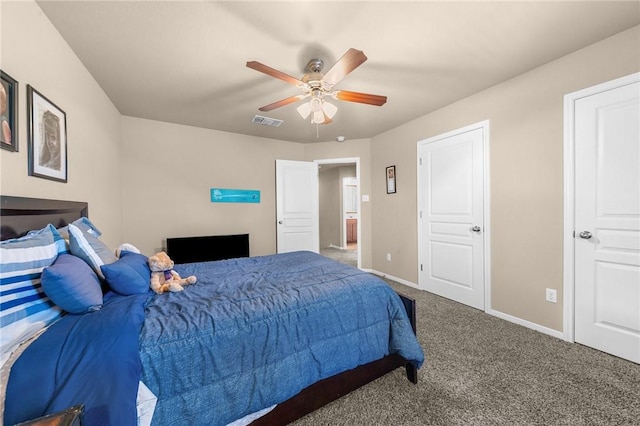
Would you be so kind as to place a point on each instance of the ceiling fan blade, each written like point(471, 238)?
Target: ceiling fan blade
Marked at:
point(282, 102)
point(349, 62)
point(362, 98)
point(275, 73)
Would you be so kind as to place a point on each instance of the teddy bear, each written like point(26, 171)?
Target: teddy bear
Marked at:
point(163, 277)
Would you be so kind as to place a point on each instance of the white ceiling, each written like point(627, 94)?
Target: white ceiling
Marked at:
point(184, 61)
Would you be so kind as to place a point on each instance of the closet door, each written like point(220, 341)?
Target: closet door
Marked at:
point(451, 217)
point(607, 221)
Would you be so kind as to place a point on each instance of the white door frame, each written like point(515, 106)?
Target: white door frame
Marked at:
point(343, 242)
point(568, 279)
point(356, 161)
point(484, 125)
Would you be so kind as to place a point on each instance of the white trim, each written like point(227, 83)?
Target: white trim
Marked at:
point(350, 160)
point(498, 314)
point(344, 219)
point(568, 312)
point(525, 323)
point(486, 208)
point(392, 278)
point(487, 218)
point(568, 218)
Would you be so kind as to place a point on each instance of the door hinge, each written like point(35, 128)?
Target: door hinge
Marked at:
point(421, 161)
point(420, 214)
point(421, 267)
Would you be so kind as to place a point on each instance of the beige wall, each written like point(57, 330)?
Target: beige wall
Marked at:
point(526, 162)
point(169, 169)
point(33, 52)
point(189, 161)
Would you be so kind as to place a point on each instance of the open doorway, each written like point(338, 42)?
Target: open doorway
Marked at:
point(339, 205)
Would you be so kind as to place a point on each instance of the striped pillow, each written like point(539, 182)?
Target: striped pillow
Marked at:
point(84, 224)
point(89, 248)
point(24, 307)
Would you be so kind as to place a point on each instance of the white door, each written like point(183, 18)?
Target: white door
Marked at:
point(297, 213)
point(451, 216)
point(607, 221)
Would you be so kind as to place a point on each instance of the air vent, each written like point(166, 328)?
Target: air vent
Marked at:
point(266, 121)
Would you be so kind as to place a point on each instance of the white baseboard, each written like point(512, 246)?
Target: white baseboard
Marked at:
point(391, 277)
point(501, 315)
point(528, 324)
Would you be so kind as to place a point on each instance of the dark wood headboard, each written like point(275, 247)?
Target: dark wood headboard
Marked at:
point(20, 215)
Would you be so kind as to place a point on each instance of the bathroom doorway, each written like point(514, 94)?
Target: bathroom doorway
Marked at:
point(339, 204)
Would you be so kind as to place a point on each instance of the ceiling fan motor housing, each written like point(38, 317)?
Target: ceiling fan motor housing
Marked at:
point(315, 65)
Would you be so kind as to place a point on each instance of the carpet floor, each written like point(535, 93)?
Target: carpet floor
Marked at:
point(349, 257)
point(482, 370)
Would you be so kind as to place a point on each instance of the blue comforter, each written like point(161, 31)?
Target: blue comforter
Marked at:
point(253, 332)
point(89, 359)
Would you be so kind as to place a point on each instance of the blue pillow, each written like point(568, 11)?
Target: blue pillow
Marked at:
point(90, 249)
point(129, 275)
point(72, 285)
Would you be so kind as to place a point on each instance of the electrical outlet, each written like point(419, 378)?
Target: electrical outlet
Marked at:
point(388, 257)
point(552, 295)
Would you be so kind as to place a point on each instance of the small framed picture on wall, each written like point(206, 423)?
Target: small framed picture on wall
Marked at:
point(9, 112)
point(47, 137)
point(391, 180)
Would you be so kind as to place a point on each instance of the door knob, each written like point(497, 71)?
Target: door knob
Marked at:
point(279, 222)
point(476, 229)
point(585, 234)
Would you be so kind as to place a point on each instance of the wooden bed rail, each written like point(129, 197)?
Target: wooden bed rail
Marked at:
point(328, 390)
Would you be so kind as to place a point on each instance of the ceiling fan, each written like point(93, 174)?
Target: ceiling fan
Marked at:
point(319, 86)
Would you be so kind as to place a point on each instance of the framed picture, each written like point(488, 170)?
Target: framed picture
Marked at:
point(391, 180)
point(9, 112)
point(47, 137)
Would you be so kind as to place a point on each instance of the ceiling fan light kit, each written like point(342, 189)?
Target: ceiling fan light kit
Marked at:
point(317, 86)
point(322, 111)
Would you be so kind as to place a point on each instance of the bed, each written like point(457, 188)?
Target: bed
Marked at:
point(278, 335)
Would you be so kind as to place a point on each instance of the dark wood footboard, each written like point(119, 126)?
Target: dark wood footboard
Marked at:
point(410, 306)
